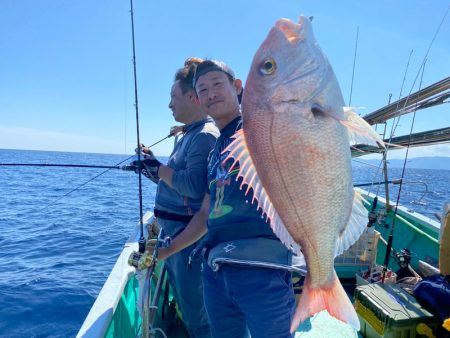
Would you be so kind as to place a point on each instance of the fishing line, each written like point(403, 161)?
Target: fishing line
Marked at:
point(353, 71)
point(368, 164)
point(117, 166)
point(83, 184)
point(423, 62)
point(395, 124)
point(376, 175)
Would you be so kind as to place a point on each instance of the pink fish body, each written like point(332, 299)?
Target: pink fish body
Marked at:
point(294, 153)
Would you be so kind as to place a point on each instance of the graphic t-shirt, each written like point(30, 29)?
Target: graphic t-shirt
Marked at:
point(232, 215)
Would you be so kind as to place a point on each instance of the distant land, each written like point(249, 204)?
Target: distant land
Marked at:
point(442, 163)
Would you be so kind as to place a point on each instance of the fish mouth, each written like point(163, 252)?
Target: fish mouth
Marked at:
point(291, 30)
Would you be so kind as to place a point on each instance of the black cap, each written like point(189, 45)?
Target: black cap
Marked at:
point(210, 66)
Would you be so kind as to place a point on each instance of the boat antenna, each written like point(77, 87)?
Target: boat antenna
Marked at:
point(354, 63)
point(141, 216)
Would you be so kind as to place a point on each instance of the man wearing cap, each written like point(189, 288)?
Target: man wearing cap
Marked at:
point(181, 188)
point(240, 296)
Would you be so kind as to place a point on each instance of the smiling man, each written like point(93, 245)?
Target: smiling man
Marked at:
point(240, 298)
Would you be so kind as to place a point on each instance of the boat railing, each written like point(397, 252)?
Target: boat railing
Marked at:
point(99, 318)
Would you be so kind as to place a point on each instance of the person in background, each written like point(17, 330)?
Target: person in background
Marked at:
point(239, 298)
point(181, 188)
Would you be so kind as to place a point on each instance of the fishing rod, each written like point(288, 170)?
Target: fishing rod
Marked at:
point(141, 214)
point(373, 216)
point(389, 248)
point(394, 123)
point(421, 69)
point(422, 66)
point(117, 166)
point(59, 165)
point(84, 165)
point(397, 181)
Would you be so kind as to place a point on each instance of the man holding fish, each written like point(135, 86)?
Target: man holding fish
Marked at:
point(238, 299)
point(291, 156)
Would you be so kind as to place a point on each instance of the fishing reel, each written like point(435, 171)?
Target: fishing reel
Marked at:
point(403, 258)
point(381, 219)
point(144, 260)
point(134, 259)
point(372, 219)
point(375, 216)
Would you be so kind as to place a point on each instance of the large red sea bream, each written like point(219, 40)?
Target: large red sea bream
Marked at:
point(294, 152)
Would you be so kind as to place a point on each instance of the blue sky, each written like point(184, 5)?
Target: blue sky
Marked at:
point(66, 79)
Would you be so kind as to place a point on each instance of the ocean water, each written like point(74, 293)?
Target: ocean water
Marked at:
point(55, 255)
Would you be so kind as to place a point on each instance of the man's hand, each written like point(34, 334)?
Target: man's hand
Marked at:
point(153, 229)
point(146, 259)
point(149, 165)
point(175, 130)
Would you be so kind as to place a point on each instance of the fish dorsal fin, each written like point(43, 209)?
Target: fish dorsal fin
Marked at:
point(238, 151)
point(355, 226)
point(359, 131)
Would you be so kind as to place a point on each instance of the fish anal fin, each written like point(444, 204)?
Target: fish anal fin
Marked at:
point(356, 225)
point(238, 151)
point(331, 298)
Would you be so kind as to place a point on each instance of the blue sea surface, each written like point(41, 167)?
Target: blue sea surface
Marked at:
point(56, 254)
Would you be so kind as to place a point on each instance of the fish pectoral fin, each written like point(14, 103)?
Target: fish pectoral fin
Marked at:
point(318, 110)
point(238, 151)
point(359, 131)
point(356, 225)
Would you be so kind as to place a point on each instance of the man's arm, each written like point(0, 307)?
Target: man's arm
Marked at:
point(166, 173)
point(193, 232)
point(191, 181)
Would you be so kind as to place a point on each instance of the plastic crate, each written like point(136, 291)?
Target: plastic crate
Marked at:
point(363, 252)
point(389, 311)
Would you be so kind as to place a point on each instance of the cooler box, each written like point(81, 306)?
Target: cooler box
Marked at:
point(389, 311)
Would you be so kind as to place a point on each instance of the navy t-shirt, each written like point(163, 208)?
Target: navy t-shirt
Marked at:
point(232, 215)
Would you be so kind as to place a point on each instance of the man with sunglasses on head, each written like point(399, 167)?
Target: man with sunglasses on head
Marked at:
point(241, 296)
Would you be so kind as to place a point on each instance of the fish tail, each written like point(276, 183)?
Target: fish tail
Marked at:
point(331, 298)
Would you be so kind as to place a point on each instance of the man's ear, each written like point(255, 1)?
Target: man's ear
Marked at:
point(238, 85)
point(193, 97)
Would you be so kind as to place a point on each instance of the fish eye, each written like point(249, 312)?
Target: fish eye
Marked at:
point(268, 67)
